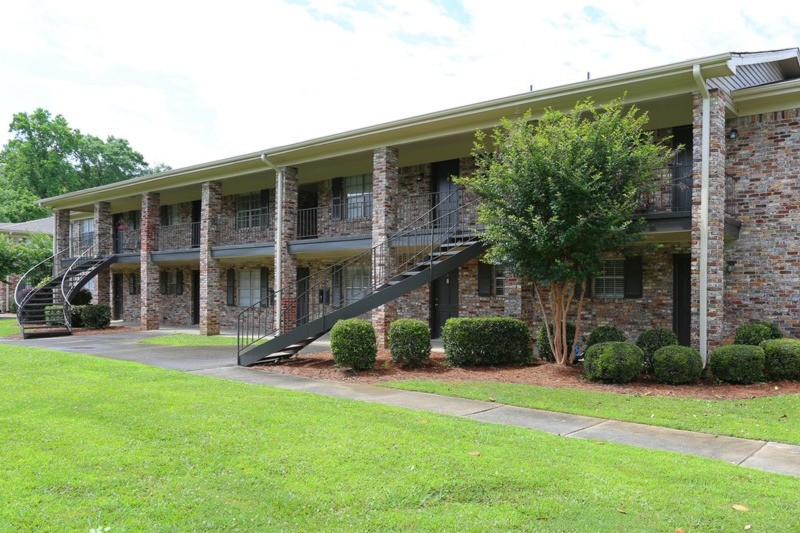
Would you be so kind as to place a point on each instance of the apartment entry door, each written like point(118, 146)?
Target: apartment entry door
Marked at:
point(118, 285)
point(682, 297)
point(444, 301)
point(195, 297)
point(447, 196)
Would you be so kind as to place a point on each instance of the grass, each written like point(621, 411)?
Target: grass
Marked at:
point(91, 442)
point(774, 418)
point(185, 339)
point(8, 326)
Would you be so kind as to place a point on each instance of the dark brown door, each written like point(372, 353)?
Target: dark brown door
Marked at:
point(195, 296)
point(447, 196)
point(682, 297)
point(118, 286)
point(444, 301)
point(307, 212)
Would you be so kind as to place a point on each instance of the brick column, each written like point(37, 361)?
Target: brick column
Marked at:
point(385, 177)
point(210, 281)
point(102, 247)
point(61, 231)
point(288, 272)
point(716, 220)
point(150, 291)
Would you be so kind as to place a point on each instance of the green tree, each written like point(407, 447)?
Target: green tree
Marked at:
point(19, 257)
point(559, 193)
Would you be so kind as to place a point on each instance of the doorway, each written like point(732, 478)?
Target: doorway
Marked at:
point(682, 297)
point(195, 297)
point(118, 285)
point(196, 214)
point(307, 203)
point(444, 301)
point(447, 197)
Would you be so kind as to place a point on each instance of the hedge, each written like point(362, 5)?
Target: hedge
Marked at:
point(613, 362)
point(738, 363)
point(605, 333)
point(486, 341)
point(82, 297)
point(409, 342)
point(781, 358)
point(544, 345)
point(652, 340)
point(91, 316)
point(756, 332)
point(353, 344)
point(677, 365)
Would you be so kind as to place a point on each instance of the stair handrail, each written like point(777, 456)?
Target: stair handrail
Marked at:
point(23, 283)
point(412, 228)
point(65, 291)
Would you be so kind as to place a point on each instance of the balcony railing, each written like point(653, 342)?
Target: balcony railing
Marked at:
point(80, 243)
point(353, 217)
point(245, 230)
point(672, 191)
point(179, 236)
point(127, 241)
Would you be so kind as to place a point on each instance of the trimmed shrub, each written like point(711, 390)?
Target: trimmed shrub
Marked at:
point(76, 316)
point(486, 341)
point(782, 358)
point(652, 340)
point(544, 346)
point(606, 333)
point(409, 341)
point(82, 297)
point(93, 316)
point(738, 363)
point(353, 344)
point(677, 365)
point(756, 332)
point(613, 362)
point(54, 315)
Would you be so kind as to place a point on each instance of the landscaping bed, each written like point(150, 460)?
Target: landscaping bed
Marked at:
point(320, 365)
point(87, 331)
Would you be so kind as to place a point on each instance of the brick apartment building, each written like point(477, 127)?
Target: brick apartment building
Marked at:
point(268, 235)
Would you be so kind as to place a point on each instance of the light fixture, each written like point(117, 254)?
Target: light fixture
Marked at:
point(730, 266)
point(734, 133)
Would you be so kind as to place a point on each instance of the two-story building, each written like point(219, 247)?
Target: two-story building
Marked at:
point(291, 234)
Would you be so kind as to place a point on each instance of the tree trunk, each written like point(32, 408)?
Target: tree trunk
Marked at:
point(561, 296)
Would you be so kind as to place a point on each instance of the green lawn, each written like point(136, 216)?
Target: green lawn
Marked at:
point(90, 442)
point(185, 339)
point(8, 326)
point(774, 418)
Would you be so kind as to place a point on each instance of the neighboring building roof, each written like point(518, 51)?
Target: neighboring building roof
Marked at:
point(40, 225)
point(760, 78)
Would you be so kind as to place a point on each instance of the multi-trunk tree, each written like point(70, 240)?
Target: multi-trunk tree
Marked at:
point(560, 192)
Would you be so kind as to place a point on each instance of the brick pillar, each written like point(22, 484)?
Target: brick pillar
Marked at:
point(385, 177)
point(150, 291)
point(102, 246)
point(210, 279)
point(61, 231)
point(288, 274)
point(716, 220)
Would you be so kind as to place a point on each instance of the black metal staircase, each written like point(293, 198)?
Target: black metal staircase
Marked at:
point(53, 282)
point(434, 244)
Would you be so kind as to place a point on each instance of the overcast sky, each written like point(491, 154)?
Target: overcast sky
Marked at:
point(189, 82)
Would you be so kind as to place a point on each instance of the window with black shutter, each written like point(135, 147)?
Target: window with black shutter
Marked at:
point(337, 198)
point(265, 300)
point(620, 278)
point(491, 280)
point(163, 283)
point(633, 277)
point(231, 286)
point(134, 283)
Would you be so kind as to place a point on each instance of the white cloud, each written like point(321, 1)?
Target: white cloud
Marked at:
point(188, 82)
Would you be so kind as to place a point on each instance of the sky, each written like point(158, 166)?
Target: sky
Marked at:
point(192, 82)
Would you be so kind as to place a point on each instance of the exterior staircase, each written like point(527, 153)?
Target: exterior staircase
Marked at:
point(431, 246)
point(53, 282)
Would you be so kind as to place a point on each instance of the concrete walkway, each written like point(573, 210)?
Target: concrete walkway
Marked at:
point(220, 362)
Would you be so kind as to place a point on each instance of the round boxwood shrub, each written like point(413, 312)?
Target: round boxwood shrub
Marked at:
point(544, 346)
point(755, 332)
point(409, 341)
point(605, 333)
point(91, 316)
point(353, 344)
point(782, 358)
point(652, 340)
point(677, 365)
point(738, 363)
point(82, 297)
point(613, 362)
point(486, 341)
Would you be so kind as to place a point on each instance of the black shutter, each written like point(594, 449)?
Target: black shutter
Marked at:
point(131, 283)
point(337, 194)
point(337, 285)
point(164, 215)
point(179, 282)
point(264, 287)
point(264, 207)
point(162, 282)
point(484, 279)
point(633, 277)
point(231, 286)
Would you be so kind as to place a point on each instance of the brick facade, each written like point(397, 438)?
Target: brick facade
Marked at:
point(385, 199)
point(288, 262)
point(150, 297)
point(210, 283)
point(102, 246)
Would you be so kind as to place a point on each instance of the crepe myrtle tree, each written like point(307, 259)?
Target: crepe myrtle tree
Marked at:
point(558, 193)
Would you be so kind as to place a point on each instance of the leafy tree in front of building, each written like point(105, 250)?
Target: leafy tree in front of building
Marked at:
point(557, 194)
point(16, 257)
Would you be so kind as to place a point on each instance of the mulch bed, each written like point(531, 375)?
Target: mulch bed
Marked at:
point(83, 331)
point(320, 365)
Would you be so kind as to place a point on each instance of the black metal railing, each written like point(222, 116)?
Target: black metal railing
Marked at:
point(245, 230)
point(348, 281)
point(353, 217)
point(127, 241)
point(179, 236)
point(80, 243)
point(671, 192)
point(73, 277)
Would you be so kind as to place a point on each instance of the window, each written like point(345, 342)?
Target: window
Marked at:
point(171, 282)
point(134, 220)
point(356, 281)
point(352, 197)
point(621, 278)
point(491, 280)
point(134, 283)
point(248, 287)
point(170, 215)
point(85, 234)
point(252, 210)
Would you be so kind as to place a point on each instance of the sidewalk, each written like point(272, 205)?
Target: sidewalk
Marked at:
point(220, 362)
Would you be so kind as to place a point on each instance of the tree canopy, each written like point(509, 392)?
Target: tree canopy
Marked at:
point(559, 193)
point(18, 257)
point(46, 157)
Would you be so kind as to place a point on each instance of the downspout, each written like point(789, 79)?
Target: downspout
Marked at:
point(704, 198)
point(278, 233)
